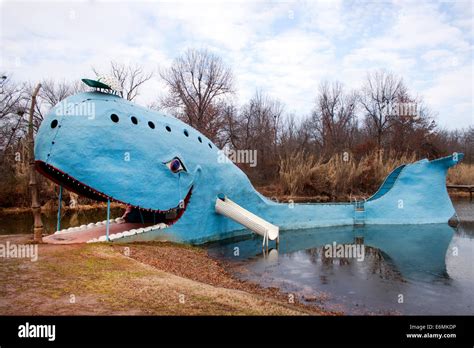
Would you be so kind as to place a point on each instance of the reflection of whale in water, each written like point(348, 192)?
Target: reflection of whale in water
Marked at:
point(375, 262)
point(416, 251)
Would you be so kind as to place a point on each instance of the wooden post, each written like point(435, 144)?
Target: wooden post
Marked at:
point(35, 206)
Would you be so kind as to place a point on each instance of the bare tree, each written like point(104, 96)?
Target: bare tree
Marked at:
point(198, 83)
point(130, 77)
point(13, 105)
point(11, 95)
point(413, 133)
point(334, 118)
point(257, 127)
point(258, 122)
point(381, 90)
point(294, 137)
point(52, 93)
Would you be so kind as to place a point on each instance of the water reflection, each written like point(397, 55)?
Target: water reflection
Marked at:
point(413, 251)
point(411, 269)
point(19, 223)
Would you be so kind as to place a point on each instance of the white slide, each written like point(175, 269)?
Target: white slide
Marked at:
point(235, 212)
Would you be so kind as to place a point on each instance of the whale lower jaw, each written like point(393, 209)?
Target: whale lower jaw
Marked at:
point(129, 233)
point(96, 232)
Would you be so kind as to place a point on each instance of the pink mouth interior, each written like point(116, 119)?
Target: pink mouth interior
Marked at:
point(167, 217)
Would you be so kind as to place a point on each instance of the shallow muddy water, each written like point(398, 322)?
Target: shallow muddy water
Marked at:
point(408, 269)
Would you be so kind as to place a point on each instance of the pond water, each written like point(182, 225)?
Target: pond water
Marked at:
point(19, 223)
point(407, 269)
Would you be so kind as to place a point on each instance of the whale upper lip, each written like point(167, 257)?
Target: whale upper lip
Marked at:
point(74, 185)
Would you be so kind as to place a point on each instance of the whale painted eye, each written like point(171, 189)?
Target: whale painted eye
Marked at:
point(175, 165)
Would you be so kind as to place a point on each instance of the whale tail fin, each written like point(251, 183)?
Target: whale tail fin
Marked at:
point(414, 193)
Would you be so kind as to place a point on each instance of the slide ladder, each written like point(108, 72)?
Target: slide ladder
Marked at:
point(232, 210)
point(359, 213)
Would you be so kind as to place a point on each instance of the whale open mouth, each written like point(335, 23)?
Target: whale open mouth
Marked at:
point(143, 216)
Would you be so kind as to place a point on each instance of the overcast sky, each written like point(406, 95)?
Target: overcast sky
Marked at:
point(284, 48)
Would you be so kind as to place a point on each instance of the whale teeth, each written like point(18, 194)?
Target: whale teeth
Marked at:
point(119, 235)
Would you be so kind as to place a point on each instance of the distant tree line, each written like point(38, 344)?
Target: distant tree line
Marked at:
point(382, 117)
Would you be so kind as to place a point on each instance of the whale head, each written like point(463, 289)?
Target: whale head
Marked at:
point(106, 148)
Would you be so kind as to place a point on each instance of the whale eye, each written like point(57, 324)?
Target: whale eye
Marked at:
point(175, 165)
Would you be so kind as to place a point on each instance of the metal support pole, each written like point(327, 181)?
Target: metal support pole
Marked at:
point(108, 220)
point(58, 225)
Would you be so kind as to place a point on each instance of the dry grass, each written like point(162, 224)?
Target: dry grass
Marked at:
point(462, 174)
point(339, 177)
point(104, 281)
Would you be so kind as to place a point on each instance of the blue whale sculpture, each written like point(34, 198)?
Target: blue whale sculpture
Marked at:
point(107, 148)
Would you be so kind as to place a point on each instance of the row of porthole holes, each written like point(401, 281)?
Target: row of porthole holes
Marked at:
point(134, 120)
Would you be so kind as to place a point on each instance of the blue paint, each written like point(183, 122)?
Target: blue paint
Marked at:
point(388, 183)
point(128, 162)
point(417, 251)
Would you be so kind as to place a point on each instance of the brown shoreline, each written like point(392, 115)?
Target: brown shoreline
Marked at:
point(189, 262)
point(153, 278)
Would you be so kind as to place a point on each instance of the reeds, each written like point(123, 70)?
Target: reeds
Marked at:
point(462, 174)
point(339, 177)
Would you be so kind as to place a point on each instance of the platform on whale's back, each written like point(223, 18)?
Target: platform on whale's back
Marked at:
point(90, 233)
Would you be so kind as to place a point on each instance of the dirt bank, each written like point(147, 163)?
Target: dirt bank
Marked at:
point(143, 278)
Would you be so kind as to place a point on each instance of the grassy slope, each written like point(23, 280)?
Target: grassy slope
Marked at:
point(105, 281)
